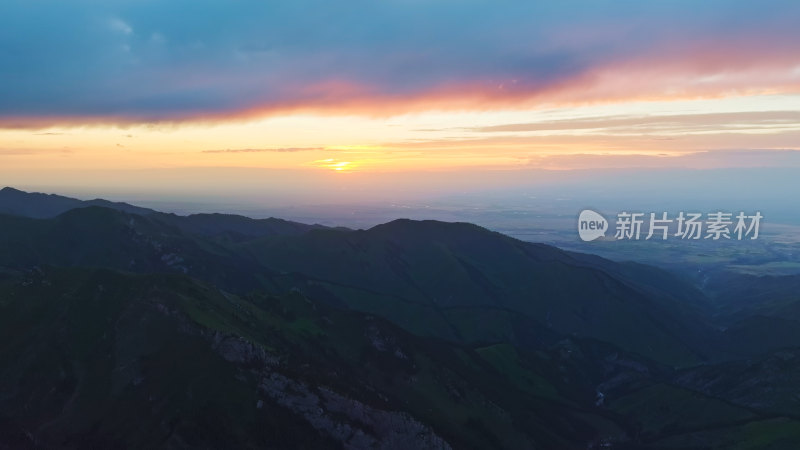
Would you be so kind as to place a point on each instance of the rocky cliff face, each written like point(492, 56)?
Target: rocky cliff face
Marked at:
point(350, 422)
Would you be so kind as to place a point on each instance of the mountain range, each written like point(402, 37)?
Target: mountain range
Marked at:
point(125, 327)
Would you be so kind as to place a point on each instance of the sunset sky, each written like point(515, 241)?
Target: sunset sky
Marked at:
point(93, 89)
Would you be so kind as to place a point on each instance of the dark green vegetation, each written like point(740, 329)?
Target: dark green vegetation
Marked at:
point(128, 328)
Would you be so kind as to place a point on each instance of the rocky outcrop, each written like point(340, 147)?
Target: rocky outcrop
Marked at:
point(353, 423)
point(239, 350)
point(349, 421)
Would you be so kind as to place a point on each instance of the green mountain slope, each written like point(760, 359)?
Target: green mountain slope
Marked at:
point(121, 330)
point(102, 237)
point(93, 358)
point(100, 358)
point(448, 273)
point(432, 278)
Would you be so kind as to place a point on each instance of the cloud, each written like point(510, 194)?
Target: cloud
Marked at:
point(715, 159)
point(120, 26)
point(268, 150)
point(33, 151)
point(661, 124)
point(119, 61)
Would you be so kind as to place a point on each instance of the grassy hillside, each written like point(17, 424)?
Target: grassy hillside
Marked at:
point(101, 358)
point(122, 330)
point(451, 272)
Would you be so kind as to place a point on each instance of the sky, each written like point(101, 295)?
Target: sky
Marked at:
point(370, 100)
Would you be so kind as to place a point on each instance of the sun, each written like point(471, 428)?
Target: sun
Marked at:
point(333, 164)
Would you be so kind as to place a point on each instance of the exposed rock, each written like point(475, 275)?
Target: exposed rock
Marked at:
point(239, 350)
point(349, 421)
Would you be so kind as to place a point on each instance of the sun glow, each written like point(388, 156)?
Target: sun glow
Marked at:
point(333, 164)
point(603, 135)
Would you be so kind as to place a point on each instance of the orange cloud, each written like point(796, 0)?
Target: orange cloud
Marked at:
point(701, 72)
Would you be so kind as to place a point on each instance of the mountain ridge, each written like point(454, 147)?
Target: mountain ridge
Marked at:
point(425, 334)
point(444, 271)
point(231, 226)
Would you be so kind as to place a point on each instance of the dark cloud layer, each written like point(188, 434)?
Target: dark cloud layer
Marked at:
point(164, 60)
